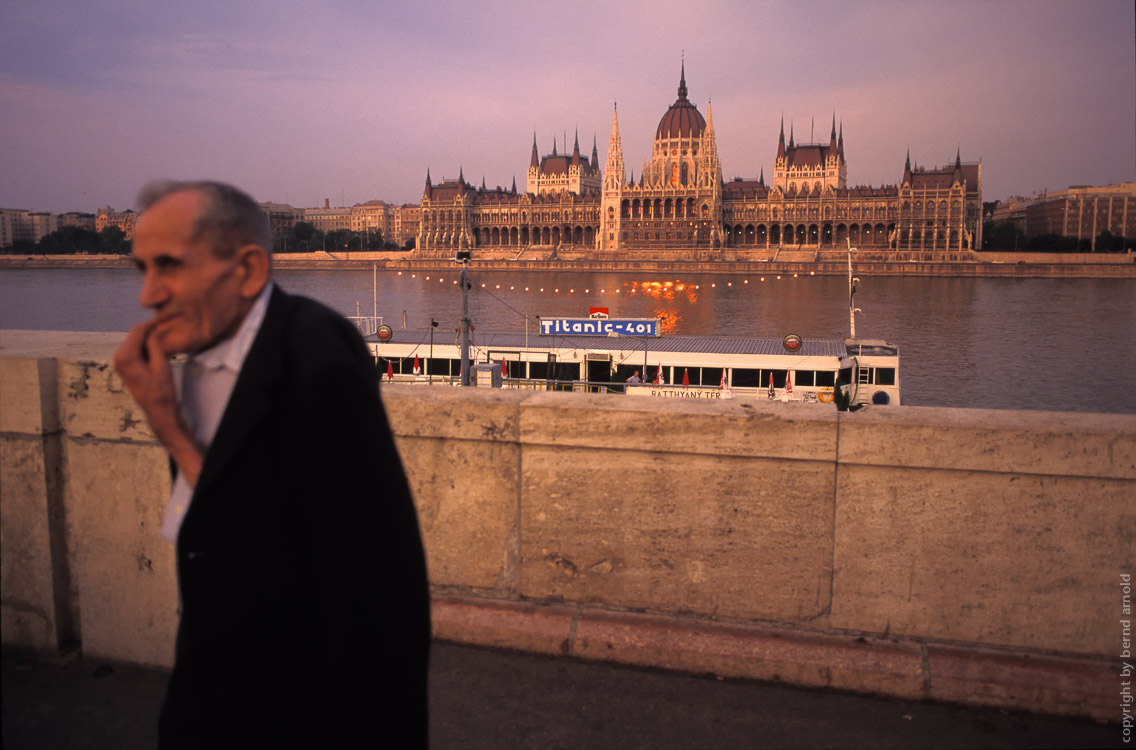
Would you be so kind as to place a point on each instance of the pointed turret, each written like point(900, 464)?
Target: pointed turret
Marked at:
point(554, 145)
point(958, 159)
point(907, 168)
point(682, 82)
point(840, 142)
point(461, 175)
point(514, 185)
point(709, 143)
point(791, 136)
point(595, 154)
point(483, 182)
point(534, 162)
point(427, 178)
point(832, 138)
point(614, 171)
point(613, 187)
point(709, 168)
point(576, 150)
point(781, 140)
point(761, 179)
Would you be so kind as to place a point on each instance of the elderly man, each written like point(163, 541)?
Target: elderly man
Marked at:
point(304, 603)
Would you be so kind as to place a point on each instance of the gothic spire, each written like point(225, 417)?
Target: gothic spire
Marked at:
point(709, 150)
point(595, 154)
point(613, 173)
point(682, 81)
point(427, 177)
point(781, 139)
point(534, 162)
point(514, 184)
point(554, 145)
point(832, 138)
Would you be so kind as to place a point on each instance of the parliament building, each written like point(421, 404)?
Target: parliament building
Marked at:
point(679, 206)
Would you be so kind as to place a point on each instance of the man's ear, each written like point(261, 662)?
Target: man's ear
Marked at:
point(253, 262)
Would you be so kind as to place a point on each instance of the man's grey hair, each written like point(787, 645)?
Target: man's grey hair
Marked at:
point(229, 218)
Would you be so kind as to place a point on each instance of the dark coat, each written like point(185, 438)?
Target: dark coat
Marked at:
point(304, 601)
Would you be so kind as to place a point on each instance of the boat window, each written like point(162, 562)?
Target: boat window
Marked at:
point(538, 370)
point(885, 376)
point(439, 366)
point(398, 365)
point(844, 376)
point(708, 376)
point(825, 378)
point(804, 377)
point(746, 378)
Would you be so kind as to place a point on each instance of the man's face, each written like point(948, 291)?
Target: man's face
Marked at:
point(196, 297)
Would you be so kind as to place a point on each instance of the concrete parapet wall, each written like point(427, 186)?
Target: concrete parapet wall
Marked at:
point(960, 555)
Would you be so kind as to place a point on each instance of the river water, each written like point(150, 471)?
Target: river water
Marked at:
point(1052, 344)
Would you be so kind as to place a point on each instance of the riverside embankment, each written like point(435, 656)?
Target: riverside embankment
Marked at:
point(988, 265)
point(950, 554)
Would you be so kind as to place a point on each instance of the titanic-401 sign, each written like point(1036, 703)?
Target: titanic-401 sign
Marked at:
point(599, 326)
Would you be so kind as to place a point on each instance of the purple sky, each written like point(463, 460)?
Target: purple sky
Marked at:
point(352, 100)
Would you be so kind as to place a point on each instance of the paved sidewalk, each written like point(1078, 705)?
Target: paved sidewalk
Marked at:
point(491, 699)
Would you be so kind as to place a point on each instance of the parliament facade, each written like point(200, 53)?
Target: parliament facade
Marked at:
point(680, 207)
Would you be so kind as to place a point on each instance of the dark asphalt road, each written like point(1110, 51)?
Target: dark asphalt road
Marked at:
point(491, 699)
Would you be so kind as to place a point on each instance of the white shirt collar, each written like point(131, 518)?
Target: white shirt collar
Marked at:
point(230, 353)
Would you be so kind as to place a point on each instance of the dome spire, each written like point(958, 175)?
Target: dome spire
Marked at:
point(682, 79)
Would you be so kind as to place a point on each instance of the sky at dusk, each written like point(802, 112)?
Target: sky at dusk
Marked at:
point(352, 100)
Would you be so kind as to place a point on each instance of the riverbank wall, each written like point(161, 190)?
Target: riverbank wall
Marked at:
point(977, 265)
point(980, 557)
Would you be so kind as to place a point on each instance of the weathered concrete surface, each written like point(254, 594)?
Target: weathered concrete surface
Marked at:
point(124, 568)
point(34, 591)
point(961, 555)
point(1003, 528)
point(461, 456)
point(27, 605)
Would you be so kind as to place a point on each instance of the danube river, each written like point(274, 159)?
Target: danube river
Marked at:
point(1057, 344)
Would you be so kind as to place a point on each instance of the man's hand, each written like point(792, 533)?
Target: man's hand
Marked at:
point(144, 367)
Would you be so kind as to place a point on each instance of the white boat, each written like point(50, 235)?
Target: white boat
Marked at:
point(694, 367)
point(627, 356)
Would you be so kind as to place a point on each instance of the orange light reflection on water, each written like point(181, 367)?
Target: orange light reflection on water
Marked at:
point(670, 320)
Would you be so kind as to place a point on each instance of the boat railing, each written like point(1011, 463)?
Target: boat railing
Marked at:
point(367, 325)
point(566, 386)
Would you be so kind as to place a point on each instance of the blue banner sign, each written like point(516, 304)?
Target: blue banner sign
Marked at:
point(599, 326)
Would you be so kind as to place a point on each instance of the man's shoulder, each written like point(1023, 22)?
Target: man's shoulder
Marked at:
point(315, 333)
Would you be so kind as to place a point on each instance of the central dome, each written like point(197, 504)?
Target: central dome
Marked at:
point(682, 120)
